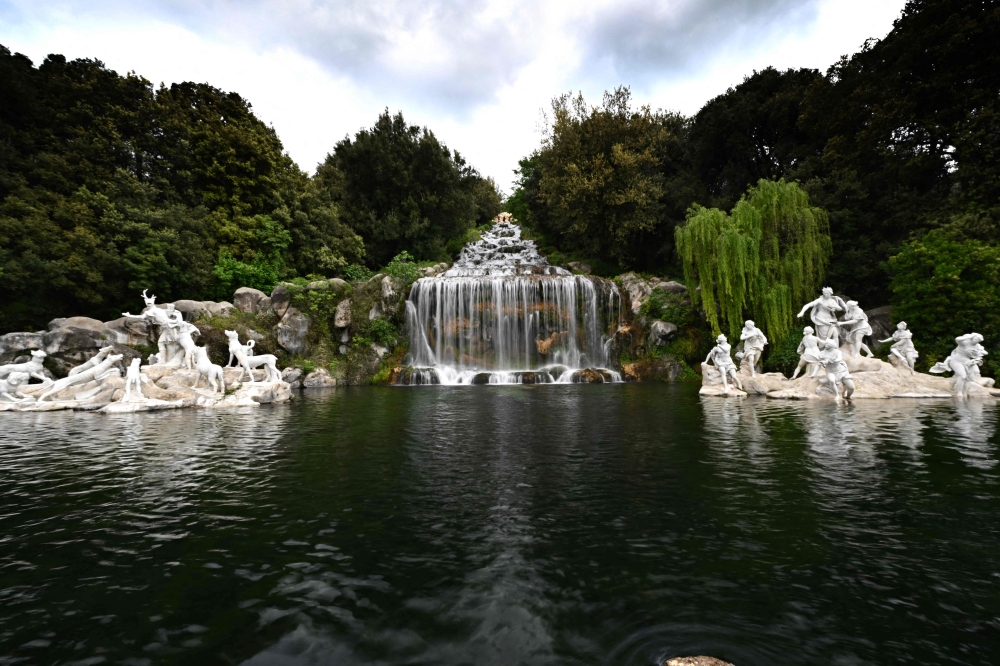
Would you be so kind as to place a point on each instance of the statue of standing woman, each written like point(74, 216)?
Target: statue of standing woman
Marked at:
point(753, 345)
point(823, 312)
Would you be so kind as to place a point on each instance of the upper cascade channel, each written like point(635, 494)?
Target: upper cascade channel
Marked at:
point(503, 315)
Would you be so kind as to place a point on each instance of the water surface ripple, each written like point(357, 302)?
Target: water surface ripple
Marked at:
point(503, 525)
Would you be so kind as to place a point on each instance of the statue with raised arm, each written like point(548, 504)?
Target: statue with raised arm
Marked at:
point(964, 362)
point(753, 346)
point(823, 313)
point(719, 357)
point(855, 327)
point(902, 347)
point(167, 320)
point(808, 352)
point(838, 377)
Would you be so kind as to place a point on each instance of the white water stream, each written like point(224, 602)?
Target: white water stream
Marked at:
point(503, 315)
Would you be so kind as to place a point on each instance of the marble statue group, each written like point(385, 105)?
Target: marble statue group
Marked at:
point(835, 361)
point(170, 378)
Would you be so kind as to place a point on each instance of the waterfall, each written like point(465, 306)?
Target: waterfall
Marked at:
point(503, 315)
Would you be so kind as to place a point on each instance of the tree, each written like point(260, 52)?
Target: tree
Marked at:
point(400, 189)
point(609, 181)
point(763, 260)
point(945, 285)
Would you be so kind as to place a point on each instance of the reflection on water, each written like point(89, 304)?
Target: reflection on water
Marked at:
point(503, 525)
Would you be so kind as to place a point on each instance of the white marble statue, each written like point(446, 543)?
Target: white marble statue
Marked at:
point(211, 372)
point(33, 367)
point(10, 387)
point(94, 360)
point(902, 346)
point(184, 333)
point(753, 346)
point(838, 377)
point(964, 362)
point(808, 351)
point(855, 327)
point(102, 370)
point(247, 349)
point(134, 379)
point(167, 321)
point(823, 312)
point(269, 361)
point(723, 362)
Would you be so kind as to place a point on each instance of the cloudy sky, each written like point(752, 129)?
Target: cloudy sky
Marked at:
point(477, 72)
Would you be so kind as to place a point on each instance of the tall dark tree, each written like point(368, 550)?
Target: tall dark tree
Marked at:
point(402, 189)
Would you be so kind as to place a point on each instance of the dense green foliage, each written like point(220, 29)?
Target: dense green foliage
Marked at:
point(608, 181)
point(401, 189)
point(945, 285)
point(891, 142)
point(109, 186)
point(762, 260)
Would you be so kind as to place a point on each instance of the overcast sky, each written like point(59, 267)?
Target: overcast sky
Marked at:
point(477, 72)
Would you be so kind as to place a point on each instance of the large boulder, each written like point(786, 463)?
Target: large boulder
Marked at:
point(280, 299)
point(293, 377)
point(247, 299)
point(129, 331)
point(880, 319)
point(663, 369)
point(292, 330)
point(13, 345)
point(661, 332)
point(671, 287)
point(342, 318)
point(637, 290)
point(190, 309)
point(319, 378)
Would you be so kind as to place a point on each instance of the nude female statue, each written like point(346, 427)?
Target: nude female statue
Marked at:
point(824, 313)
point(964, 361)
point(753, 345)
point(902, 346)
point(856, 327)
point(836, 370)
point(723, 362)
point(808, 352)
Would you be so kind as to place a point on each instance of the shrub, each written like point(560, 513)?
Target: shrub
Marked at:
point(944, 286)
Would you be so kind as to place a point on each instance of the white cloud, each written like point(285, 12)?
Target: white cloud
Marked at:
point(478, 73)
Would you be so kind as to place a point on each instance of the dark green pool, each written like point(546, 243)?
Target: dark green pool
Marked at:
point(503, 525)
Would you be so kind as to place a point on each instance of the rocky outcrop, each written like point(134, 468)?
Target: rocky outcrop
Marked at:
point(70, 342)
point(319, 378)
point(280, 299)
point(636, 289)
point(592, 376)
point(662, 369)
point(579, 267)
point(248, 299)
point(194, 309)
point(293, 377)
point(668, 286)
point(661, 332)
point(695, 661)
point(342, 318)
point(880, 319)
point(291, 332)
point(431, 271)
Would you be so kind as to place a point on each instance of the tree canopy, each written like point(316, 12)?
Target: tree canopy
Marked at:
point(402, 189)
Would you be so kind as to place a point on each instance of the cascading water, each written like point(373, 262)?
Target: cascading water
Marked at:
point(502, 315)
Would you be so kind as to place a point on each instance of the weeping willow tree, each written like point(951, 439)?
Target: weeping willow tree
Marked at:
point(763, 260)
